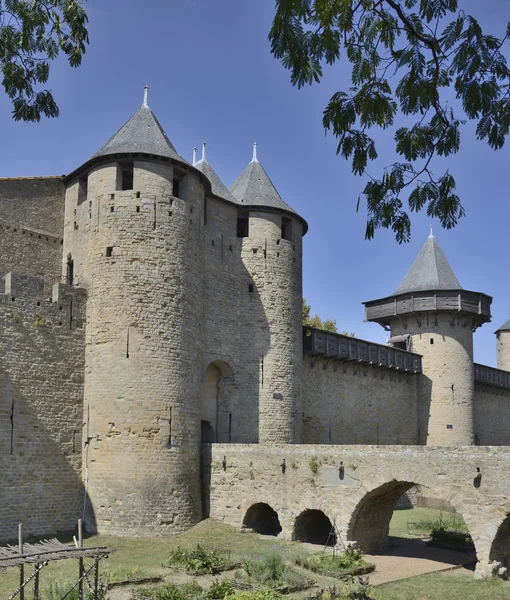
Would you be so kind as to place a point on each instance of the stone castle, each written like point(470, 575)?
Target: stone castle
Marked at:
point(154, 367)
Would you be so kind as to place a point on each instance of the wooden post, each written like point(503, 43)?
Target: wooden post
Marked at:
point(36, 583)
point(80, 545)
point(21, 569)
point(96, 580)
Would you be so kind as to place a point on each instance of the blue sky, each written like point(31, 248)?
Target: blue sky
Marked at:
point(212, 78)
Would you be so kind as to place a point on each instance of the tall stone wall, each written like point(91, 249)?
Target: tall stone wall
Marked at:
point(446, 388)
point(41, 407)
point(503, 350)
point(143, 273)
point(275, 264)
point(31, 225)
point(345, 403)
point(491, 413)
point(235, 335)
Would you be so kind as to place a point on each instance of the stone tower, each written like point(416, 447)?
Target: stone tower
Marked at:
point(503, 346)
point(431, 314)
point(134, 215)
point(272, 253)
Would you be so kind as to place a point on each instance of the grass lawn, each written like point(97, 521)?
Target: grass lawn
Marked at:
point(437, 586)
point(401, 524)
point(145, 556)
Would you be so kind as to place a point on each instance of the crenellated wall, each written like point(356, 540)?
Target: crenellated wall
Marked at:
point(41, 406)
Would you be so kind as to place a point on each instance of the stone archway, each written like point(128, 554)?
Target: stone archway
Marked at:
point(314, 526)
point(216, 393)
point(263, 519)
point(500, 549)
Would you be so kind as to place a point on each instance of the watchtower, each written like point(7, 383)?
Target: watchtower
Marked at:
point(431, 314)
point(134, 215)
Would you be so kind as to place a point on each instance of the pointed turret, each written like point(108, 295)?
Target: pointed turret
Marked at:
point(141, 134)
point(253, 188)
point(429, 271)
point(218, 187)
point(436, 317)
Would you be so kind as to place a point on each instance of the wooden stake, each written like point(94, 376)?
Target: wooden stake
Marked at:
point(21, 569)
point(80, 545)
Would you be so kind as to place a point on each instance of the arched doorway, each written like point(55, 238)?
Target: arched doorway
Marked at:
point(500, 549)
point(216, 403)
point(314, 527)
point(263, 519)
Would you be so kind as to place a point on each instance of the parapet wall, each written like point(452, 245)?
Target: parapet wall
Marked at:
point(352, 403)
point(41, 406)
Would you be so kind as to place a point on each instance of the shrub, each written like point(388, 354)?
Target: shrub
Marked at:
point(14, 318)
point(219, 590)
point(267, 569)
point(345, 563)
point(267, 594)
point(167, 592)
point(199, 561)
point(39, 321)
point(314, 465)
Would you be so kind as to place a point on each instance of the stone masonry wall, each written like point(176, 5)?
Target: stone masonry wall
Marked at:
point(41, 407)
point(31, 224)
point(446, 388)
point(357, 487)
point(346, 403)
point(491, 413)
point(503, 350)
point(143, 273)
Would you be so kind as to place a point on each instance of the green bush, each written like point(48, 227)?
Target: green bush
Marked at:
point(199, 561)
point(267, 594)
point(167, 592)
point(219, 590)
point(267, 569)
point(329, 563)
point(314, 465)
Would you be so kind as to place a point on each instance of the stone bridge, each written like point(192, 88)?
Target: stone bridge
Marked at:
point(298, 491)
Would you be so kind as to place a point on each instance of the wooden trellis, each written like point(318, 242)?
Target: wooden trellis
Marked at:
point(40, 554)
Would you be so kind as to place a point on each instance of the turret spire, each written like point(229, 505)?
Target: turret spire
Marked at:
point(431, 234)
point(254, 159)
point(195, 155)
point(146, 96)
point(204, 153)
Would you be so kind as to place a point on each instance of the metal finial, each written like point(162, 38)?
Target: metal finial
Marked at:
point(431, 232)
point(146, 96)
point(195, 155)
point(204, 151)
point(254, 159)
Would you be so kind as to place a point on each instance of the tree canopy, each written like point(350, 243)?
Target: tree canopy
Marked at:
point(31, 35)
point(405, 56)
point(316, 321)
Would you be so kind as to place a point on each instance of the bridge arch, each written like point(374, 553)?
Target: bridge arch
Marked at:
point(315, 527)
point(370, 521)
point(262, 518)
point(500, 548)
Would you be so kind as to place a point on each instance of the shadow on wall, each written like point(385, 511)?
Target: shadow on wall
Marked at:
point(424, 399)
point(40, 446)
point(500, 550)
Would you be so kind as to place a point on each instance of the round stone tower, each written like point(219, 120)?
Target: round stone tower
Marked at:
point(136, 238)
point(503, 346)
point(272, 254)
point(432, 315)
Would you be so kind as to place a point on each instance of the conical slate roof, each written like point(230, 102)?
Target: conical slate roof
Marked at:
point(218, 187)
point(504, 327)
point(142, 133)
point(430, 271)
point(254, 188)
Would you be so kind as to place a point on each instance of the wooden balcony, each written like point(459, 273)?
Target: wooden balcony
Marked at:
point(491, 376)
point(456, 301)
point(337, 346)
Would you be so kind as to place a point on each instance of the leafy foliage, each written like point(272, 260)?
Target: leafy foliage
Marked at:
point(316, 321)
point(31, 35)
point(404, 55)
point(267, 594)
point(199, 561)
point(340, 565)
point(267, 569)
